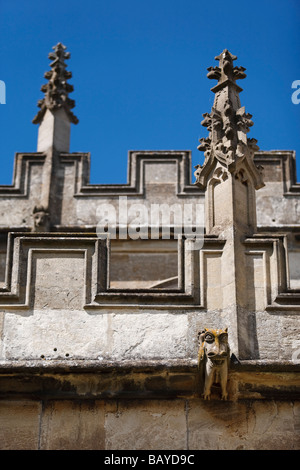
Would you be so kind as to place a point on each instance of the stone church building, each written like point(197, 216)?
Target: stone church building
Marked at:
point(159, 314)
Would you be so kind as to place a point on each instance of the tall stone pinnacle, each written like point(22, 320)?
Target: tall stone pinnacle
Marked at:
point(228, 125)
point(55, 115)
point(230, 180)
point(57, 89)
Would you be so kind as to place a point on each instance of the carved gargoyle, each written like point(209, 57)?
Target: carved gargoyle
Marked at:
point(40, 219)
point(213, 360)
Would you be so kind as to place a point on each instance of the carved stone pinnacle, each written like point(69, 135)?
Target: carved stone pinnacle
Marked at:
point(228, 125)
point(57, 89)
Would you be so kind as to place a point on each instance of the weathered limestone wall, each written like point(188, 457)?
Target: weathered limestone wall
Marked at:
point(141, 335)
point(278, 201)
point(55, 302)
point(180, 424)
point(97, 336)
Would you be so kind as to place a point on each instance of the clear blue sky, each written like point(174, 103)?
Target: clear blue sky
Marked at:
point(139, 73)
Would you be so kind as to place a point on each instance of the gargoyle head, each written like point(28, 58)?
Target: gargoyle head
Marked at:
point(213, 345)
point(40, 218)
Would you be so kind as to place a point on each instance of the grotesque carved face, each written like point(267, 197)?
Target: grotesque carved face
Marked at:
point(214, 344)
point(40, 219)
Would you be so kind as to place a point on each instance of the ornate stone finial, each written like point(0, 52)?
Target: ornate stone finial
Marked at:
point(57, 89)
point(226, 71)
point(213, 360)
point(228, 125)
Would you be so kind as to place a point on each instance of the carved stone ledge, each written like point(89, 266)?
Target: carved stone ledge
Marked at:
point(143, 380)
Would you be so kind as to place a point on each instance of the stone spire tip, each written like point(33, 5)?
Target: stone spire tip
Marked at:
point(57, 89)
point(226, 72)
point(228, 125)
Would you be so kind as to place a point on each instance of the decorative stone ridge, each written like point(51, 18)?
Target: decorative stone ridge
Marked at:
point(228, 125)
point(57, 89)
